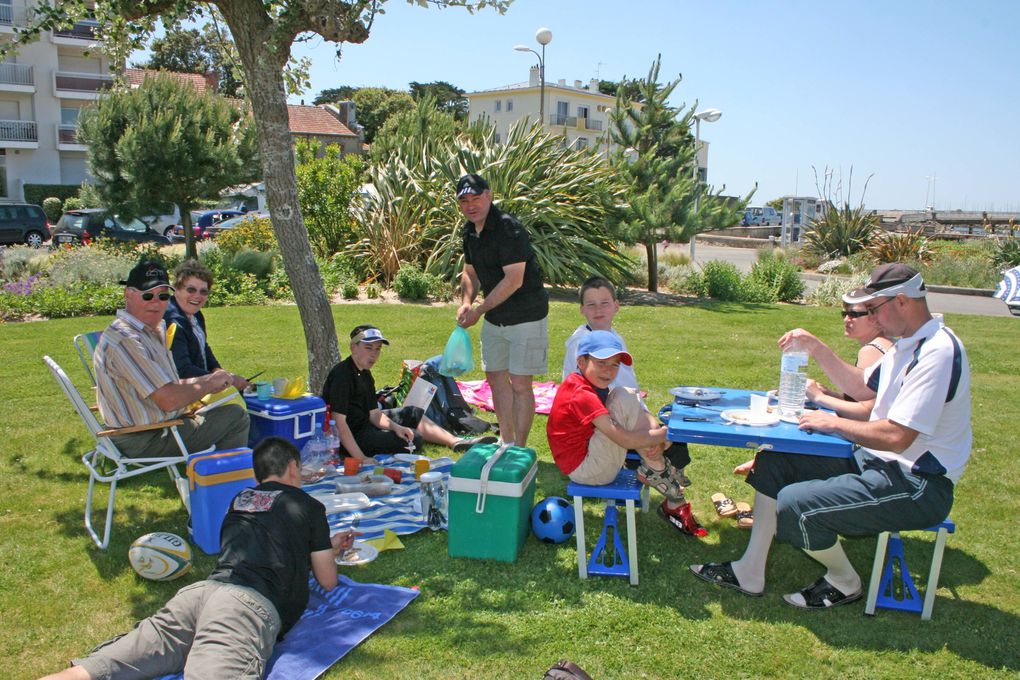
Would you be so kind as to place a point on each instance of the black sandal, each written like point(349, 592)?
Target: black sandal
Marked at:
point(721, 574)
point(822, 595)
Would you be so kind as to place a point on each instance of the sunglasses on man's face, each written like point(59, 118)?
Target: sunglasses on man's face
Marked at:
point(163, 297)
point(852, 314)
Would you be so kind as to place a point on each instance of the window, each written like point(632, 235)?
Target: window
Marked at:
point(69, 115)
point(499, 105)
point(582, 112)
point(509, 105)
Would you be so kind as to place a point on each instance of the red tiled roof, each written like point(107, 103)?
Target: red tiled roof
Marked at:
point(315, 120)
point(135, 76)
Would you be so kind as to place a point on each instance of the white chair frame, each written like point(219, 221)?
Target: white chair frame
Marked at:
point(106, 451)
point(85, 350)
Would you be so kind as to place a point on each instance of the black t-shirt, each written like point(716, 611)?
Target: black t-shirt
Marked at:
point(350, 392)
point(266, 543)
point(505, 241)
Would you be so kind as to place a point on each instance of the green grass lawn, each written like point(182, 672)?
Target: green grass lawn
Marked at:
point(61, 596)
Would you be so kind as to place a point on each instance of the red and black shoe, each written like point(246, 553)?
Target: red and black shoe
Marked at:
point(682, 517)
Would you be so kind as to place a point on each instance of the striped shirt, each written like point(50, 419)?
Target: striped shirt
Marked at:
point(132, 361)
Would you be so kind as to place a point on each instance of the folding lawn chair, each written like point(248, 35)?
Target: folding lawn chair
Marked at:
point(105, 462)
point(85, 344)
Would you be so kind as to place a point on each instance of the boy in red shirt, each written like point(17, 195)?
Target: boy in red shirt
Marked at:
point(591, 428)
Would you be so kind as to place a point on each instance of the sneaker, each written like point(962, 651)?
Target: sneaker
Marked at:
point(682, 517)
point(465, 445)
point(666, 481)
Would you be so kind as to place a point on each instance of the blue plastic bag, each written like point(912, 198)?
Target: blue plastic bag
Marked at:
point(457, 357)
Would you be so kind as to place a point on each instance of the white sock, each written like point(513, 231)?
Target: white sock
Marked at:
point(750, 568)
point(839, 572)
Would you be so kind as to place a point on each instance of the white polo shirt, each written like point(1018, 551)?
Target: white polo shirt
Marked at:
point(625, 378)
point(924, 384)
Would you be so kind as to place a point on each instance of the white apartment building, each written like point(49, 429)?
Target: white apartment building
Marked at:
point(578, 112)
point(42, 89)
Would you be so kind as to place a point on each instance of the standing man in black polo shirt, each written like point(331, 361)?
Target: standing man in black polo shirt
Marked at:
point(499, 262)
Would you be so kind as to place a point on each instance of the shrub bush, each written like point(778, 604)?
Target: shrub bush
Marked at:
point(53, 207)
point(905, 247)
point(412, 283)
point(1006, 253)
point(253, 262)
point(89, 264)
point(372, 291)
point(954, 271)
point(17, 262)
point(774, 277)
point(840, 231)
point(37, 193)
point(722, 281)
point(254, 234)
point(55, 302)
point(829, 292)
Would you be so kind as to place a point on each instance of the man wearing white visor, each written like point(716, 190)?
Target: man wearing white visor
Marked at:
point(913, 442)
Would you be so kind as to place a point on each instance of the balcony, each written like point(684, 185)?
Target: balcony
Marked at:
point(11, 16)
point(67, 138)
point(559, 119)
point(578, 122)
point(17, 77)
point(590, 124)
point(19, 134)
point(69, 85)
point(82, 31)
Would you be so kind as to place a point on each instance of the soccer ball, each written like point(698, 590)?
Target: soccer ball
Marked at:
point(552, 520)
point(160, 556)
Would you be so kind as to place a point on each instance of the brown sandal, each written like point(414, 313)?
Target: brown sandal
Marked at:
point(745, 517)
point(724, 506)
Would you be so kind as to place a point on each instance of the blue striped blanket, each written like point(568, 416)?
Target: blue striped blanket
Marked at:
point(399, 511)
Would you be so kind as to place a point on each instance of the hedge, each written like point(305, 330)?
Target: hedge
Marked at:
point(36, 193)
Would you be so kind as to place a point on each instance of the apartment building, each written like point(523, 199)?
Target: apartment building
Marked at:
point(42, 89)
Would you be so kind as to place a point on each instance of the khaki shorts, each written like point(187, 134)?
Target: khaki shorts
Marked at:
point(522, 349)
point(605, 457)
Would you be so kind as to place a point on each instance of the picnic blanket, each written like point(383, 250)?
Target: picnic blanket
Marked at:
point(333, 624)
point(478, 393)
point(399, 511)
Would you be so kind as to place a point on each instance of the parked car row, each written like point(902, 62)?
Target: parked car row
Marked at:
point(82, 226)
point(23, 223)
point(202, 221)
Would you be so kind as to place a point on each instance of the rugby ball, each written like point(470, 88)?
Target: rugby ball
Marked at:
point(160, 556)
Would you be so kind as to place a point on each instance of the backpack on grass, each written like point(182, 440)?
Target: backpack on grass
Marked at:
point(448, 409)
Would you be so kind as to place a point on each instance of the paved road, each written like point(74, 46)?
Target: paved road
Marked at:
point(943, 303)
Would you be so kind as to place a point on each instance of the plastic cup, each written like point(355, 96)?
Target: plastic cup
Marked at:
point(421, 466)
point(759, 405)
point(393, 474)
point(263, 390)
point(351, 466)
point(279, 385)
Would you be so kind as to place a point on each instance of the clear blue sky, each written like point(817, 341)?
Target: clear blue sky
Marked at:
point(900, 90)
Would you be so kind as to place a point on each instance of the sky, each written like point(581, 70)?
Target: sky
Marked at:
point(888, 92)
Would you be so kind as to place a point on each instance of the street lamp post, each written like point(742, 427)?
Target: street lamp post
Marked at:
point(543, 36)
point(709, 116)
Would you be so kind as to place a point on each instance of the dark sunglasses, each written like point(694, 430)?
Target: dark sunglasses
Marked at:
point(163, 297)
point(196, 291)
point(852, 314)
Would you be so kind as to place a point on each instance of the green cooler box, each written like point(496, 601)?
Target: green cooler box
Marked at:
point(491, 492)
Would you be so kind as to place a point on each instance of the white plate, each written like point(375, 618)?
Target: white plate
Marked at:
point(360, 553)
point(695, 393)
point(344, 502)
point(409, 457)
point(742, 416)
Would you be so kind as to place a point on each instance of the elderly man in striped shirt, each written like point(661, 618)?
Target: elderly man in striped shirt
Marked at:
point(138, 383)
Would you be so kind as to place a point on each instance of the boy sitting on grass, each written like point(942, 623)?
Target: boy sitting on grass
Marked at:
point(599, 307)
point(591, 427)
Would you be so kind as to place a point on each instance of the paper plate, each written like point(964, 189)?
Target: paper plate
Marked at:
point(695, 393)
point(360, 553)
point(409, 457)
point(742, 416)
point(345, 502)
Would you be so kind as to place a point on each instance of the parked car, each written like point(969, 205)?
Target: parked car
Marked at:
point(220, 227)
point(164, 223)
point(201, 220)
point(81, 226)
point(761, 217)
point(23, 223)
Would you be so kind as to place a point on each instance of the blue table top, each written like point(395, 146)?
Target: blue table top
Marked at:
point(786, 437)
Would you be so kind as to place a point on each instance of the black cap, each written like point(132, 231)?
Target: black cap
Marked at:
point(471, 184)
point(146, 275)
point(889, 280)
point(368, 333)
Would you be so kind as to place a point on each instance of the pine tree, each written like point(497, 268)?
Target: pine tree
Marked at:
point(657, 161)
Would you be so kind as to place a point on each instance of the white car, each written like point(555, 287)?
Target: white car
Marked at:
point(766, 216)
point(165, 222)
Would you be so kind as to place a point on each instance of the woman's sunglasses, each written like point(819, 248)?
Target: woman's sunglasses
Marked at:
point(163, 297)
point(196, 291)
point(852, 314)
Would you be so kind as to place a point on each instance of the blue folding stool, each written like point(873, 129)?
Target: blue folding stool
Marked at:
point(609, 558)
point(892, 587)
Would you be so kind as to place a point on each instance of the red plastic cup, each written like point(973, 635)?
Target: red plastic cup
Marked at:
point(393, 474)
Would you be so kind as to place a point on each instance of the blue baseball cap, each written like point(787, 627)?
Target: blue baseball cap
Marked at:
point(603, 345)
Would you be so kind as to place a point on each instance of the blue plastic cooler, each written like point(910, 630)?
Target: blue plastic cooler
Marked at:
point(292, 419)
point(214, 478)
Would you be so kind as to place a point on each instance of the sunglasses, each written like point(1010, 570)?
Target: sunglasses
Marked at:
point(163, 297)
point(196, 291)
point(874, 310)
point(852, 314)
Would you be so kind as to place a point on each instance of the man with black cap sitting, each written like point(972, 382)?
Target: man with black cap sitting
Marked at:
point(499, 262)
point(138, 384)
point(364, 428)
point(912, 447)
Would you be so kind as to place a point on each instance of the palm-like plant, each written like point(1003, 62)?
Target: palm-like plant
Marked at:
point(910, 246)
point(841, 232)
point(564, 197)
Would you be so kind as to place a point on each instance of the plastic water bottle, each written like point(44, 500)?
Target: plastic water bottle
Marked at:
point(315, 457)
point(433, 500)
point(334, 443)
point(792, 381)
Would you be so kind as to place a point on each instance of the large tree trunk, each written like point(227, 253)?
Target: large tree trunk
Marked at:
point(265, 90)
